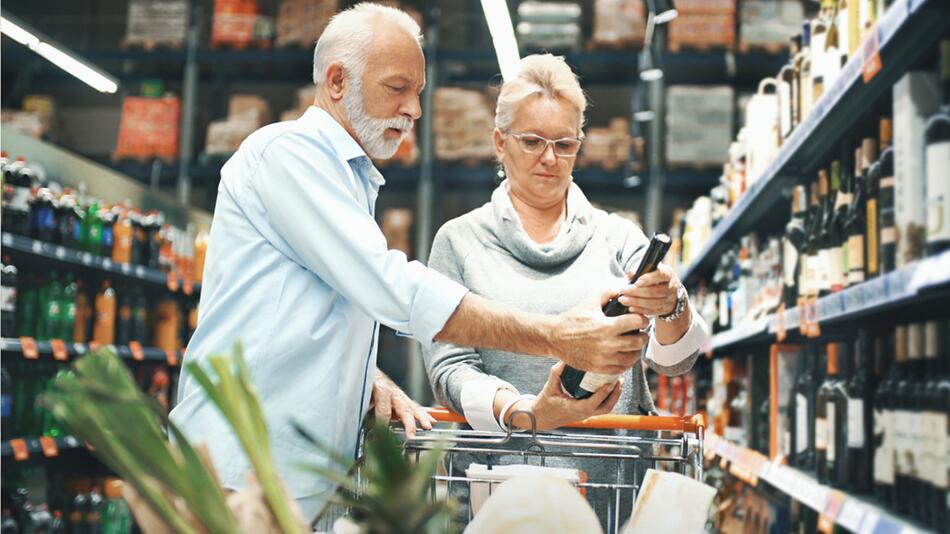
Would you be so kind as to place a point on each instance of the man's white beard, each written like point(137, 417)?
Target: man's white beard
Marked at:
point(370, 131)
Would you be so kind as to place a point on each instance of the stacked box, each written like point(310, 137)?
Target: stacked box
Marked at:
point(698, 124)
point(149, 128)
point(238, 24)
point(246, 113)
point(769, 23)
point(397, 227)
point(619, 24)
point(157, 23)
point(300, 22)
point(26, 122)
point(463, 125)
point(609, 147)
point(703, 24)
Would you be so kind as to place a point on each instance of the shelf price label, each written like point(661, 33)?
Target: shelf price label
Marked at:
point(826, 521)
point(28, 346)
point(871, 55)
point(780, 332)
point(171, 357)
point(20, 450)
point(137, 353)
point(59, 350)
point(94, 346)
point(48, 446)
point(173, 281)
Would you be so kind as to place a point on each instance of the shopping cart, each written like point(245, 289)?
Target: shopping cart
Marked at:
point(672, 443)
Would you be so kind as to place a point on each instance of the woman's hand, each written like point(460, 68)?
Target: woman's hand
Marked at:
point(554, 408)
point(653, 294)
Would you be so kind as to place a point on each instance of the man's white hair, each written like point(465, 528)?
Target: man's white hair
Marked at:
point(348, 34)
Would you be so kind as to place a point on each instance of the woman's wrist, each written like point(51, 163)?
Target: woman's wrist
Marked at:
point(521, 420)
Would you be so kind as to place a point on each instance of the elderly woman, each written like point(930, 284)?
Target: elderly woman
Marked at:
point(540, 246)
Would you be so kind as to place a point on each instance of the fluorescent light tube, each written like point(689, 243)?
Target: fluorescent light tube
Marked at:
point(502, 36)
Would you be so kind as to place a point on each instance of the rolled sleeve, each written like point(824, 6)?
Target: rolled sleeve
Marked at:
point(677, 355)
point(478, 402)
point(435, 301)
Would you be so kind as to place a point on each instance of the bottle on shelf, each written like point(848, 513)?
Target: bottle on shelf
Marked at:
point(116, 518)
point(84, 315)
point(140, 316)
point(68, 221)
point(939, 401)
point(838, 452)
point(123, 327)
point(825, 419)
point(858, 465)
point(51, 312)
point(805, 390)
point(933, 427)
point(856, 225)
point(8, 298)
point(76, 519)
point(824, 234)
point(6, 403)
point(67, 322)
point(18, 190)
point(94, 508)
point(58, 525)
point(886, 223)
point(124, 235)
point(92, 229)
point(105, 311)
point(9, 524)
point(201, 250)
point(937, 143)
point(869, 184)
point(793, 245)
point(43, 210)
point(107, 216)
point(910, 341)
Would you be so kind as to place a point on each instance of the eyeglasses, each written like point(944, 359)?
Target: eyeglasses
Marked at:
point(565, 147)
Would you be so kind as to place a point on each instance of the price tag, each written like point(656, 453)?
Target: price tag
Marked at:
point(851, 515)
point(37, 247)
point(94, 346)
point(136, 348)
point(826, 521)
point(59, 350)
point(28, 346)
point(126, 268)
point(869, 524)
point(187, 286)
point(171, 358)
point(173, 282)
point(106, 263)
point(780, 333)
point(20, 450)
point(60, 252)
point(871, 56)
point(7, 240)
point(48, 445)
point(140, 271)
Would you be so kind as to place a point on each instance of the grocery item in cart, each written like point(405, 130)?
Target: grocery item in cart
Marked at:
point(670, 503)
point(535, 504)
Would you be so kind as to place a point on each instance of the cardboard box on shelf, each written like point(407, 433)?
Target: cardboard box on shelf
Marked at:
point(703, 25)
point(463, 125)
point(769, 24)
point(397, 227)
point(699, 125)
point(152, 23)
point(149, 128)
point(238, 24)
point(246, 113)
point(618, 24)
point(609, 147)
point(300, 22)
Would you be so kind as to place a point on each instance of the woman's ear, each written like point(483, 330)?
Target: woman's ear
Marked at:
point(499, 141)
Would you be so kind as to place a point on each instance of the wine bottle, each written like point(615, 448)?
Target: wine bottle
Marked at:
point(885, 470)
point(810, 282)
point(805, 390)
point(846, 196)
point(932, 425)
point(886, 224)
point(581, 384)
point(859, 463)
point(825, 223)
point(793, 246)
point(906, 418)
point(869, 187)
point(838, 420)
point(940, 403)
point(856, 226)
point(937, 142)
point(825, 418)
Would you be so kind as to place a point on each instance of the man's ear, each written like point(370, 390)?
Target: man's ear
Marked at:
point(335, 77)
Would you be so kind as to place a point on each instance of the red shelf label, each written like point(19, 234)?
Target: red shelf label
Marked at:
point(28, 346)
point(20, 451)
point(173, 282)
point(171, 357)
point(48, 444)
point(59, 350)
point(137, 353)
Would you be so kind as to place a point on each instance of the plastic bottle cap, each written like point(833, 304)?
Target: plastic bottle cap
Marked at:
point(114, 488)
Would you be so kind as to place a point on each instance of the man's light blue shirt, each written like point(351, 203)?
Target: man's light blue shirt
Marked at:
point(298, 270)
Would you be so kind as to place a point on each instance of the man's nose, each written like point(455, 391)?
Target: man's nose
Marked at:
point(412, 108)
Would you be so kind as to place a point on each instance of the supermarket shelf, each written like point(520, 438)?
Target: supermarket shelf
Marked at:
point(851, 512)
point(927, 278)
point(57, 253)
point(75, 350)
point(34, 447)
point(907, 30)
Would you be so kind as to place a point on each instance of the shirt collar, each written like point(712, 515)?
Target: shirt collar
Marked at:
point(578, 207)
point(345, 146)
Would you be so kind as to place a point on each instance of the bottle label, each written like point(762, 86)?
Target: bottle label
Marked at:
point(593, 381)
point(8, 301)
point(785, 108)
point(872, 239)
point(845, 263)
point(938, 192)
point(823, 270)
point(811, 276)
point(917, 444)
point(836, 269)
point(856, 423)
point(801, 423)
point(856, 259)
point(941, 470)
point(888, 235)
point(883, 447)
point(830, 429)
point(821, 433)
point(903, 446)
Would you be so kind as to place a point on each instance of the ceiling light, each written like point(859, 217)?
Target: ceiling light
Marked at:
point(664, 10)
point(502, 36)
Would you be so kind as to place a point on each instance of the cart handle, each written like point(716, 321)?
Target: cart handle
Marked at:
point(674, 423)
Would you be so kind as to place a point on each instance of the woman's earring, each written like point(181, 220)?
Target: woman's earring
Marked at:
point(501, 173)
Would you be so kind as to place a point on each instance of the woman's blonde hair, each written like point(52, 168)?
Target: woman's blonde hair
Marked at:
point(543, 75)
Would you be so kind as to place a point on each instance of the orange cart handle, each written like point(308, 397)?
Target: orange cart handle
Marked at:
point(674, 423)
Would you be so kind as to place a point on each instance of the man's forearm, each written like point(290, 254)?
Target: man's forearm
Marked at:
point(480, 323)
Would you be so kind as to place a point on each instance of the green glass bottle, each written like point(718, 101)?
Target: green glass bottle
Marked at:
point(26, 307)
point(50, 309)
point(67, 320)
point(93, 225)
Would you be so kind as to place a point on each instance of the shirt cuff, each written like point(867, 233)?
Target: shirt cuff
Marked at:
point(674, 353)
point(478, 403)
point(435, 301)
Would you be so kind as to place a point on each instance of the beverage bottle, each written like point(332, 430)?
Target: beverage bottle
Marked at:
point(77, 513)
point(123, 330)
point(117, 518)
point(6, 404)
point(9, 524)
point(140, 331)
point(58, 526)
point(50, 311)
point(44, 216)
point(8, 299)
point(83, 315)
point(107, 216)
point(92, 234)
point(67, 322)
point(103, 330)
point(69, 222)
point(27, 306)
point(123, 232)
point(93, 519)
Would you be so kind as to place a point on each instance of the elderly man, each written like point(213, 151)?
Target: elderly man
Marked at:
point(299, 271)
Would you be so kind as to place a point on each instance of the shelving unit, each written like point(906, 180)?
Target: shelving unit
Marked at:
point(26, 449)
point(70, 257)
point(907, 30)
point(75, 350)
point(927, 279)
point(854, 513)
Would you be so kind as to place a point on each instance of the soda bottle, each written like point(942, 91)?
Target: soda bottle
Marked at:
point(117, 518)
point(124, 236)
point(123, 329)
point(69, 221)
point(94, 512)
point(77, 513)
point(27, 306)
point(50, 311)
point(58, 526)
point(139, 238)
point(67, 322)
point(107, 216)
point(6, 404)
point(16, 214)
point(44, 216)
point(103, 331)
point(8, 299)
point(140, 331)
point(92, 236)
point(83, 315)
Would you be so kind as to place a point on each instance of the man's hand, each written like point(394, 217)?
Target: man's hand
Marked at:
point(588, 340)
point(553, 408)
point(653, 294)
point(390, 402)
